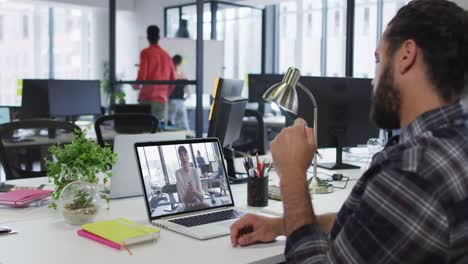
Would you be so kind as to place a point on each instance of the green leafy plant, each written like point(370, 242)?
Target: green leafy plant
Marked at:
point(80, 160)
point(82, 200)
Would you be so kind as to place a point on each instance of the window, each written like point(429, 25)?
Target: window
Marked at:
point(365, 38)
point(2, 22)
point(307, 52)
point(25, 26)
point(26, 53)
point(71, 47)
point(312, 43)
point(336, 40)
point(288, 43)
point(367, 34)
point(366, 21)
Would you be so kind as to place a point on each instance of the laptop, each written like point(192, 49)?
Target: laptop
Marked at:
point(178, 196)
point(125, 180)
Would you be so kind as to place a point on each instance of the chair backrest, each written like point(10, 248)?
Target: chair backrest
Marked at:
point(24, 149)
point(131, 123)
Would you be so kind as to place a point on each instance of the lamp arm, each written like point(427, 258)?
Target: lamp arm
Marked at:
point(314, 103)
point(309, 93)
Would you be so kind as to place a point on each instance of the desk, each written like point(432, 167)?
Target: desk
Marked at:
point(43, 237)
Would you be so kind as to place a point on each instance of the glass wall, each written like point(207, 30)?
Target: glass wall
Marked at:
point(239, 27)
point(25, 49)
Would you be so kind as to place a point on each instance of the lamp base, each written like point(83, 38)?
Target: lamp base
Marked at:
point(320, 187)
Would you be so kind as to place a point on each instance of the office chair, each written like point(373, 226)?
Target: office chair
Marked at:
point(170, 189)
point(131, 123)
point(248, 145)
point(19, 154)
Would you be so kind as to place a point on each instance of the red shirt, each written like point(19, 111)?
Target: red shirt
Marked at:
point(155, 64)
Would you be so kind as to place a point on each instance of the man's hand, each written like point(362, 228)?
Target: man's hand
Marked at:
point(254, 228)
point(293, 149)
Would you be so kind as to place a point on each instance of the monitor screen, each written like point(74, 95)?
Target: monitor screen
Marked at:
point(74, 97)
point(259, 83)
point(5, 116)
point(173, 181)
point(224, 88)
point(228, 123)
point(343, 110)
point(35, 99)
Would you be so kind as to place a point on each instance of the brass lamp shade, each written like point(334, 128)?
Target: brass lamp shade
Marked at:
point(284, 93)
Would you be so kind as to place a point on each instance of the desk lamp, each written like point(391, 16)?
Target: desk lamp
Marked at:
point(284, 95)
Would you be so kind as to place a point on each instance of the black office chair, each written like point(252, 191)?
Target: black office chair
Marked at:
point(170, 189)
point(131, 123)
point(19, 154)
point(246, 143)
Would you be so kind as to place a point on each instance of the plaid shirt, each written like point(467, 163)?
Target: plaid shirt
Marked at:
point(410, 206)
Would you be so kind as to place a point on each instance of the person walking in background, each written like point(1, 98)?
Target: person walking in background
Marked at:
point(155, 64)
point(200, 159)
point(177, 110)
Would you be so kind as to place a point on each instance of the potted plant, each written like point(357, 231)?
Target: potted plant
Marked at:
point(79, 202)
point(81, 160)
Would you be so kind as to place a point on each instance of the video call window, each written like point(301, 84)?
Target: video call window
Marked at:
point(180, 178)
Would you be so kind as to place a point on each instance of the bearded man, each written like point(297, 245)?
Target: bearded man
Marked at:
point(411, 205)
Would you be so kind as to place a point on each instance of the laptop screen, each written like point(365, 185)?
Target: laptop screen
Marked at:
point(5, 116)
point(183, 176)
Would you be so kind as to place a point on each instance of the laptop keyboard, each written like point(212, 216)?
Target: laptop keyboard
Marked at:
point(207, 218)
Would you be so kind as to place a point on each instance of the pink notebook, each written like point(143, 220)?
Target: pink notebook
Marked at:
point(23, 197)
point(99, 239)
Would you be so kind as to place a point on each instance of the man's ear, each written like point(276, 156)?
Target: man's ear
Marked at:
point(406, 56)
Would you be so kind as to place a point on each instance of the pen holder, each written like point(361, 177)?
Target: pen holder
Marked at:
point(257, 191)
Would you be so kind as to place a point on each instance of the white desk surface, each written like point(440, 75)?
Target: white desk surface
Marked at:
point(43, 236)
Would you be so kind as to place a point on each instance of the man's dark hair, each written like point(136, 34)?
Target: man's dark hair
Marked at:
point(152, 33)
point(182, 150)
point(177, 59)
point(440, 30)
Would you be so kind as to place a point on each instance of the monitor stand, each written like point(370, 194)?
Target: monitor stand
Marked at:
point(233, 176)
point(338, 165)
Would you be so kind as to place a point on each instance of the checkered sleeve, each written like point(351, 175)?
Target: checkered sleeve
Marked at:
point(396, 221)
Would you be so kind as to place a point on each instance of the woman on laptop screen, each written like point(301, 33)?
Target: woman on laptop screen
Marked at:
point(188, 182)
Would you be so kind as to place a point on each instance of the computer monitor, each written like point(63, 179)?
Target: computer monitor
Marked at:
point(223, 88)
point(35, 99)
point(343, 110)
point(5, 115)
point(227, 128)
point(71, 98)
point(343, 114)
point(259, 83)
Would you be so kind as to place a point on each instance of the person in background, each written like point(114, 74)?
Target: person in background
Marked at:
point(155, 64)
point(177, 110)
point(200, 159)
point(188, 183)
point(410, 206)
